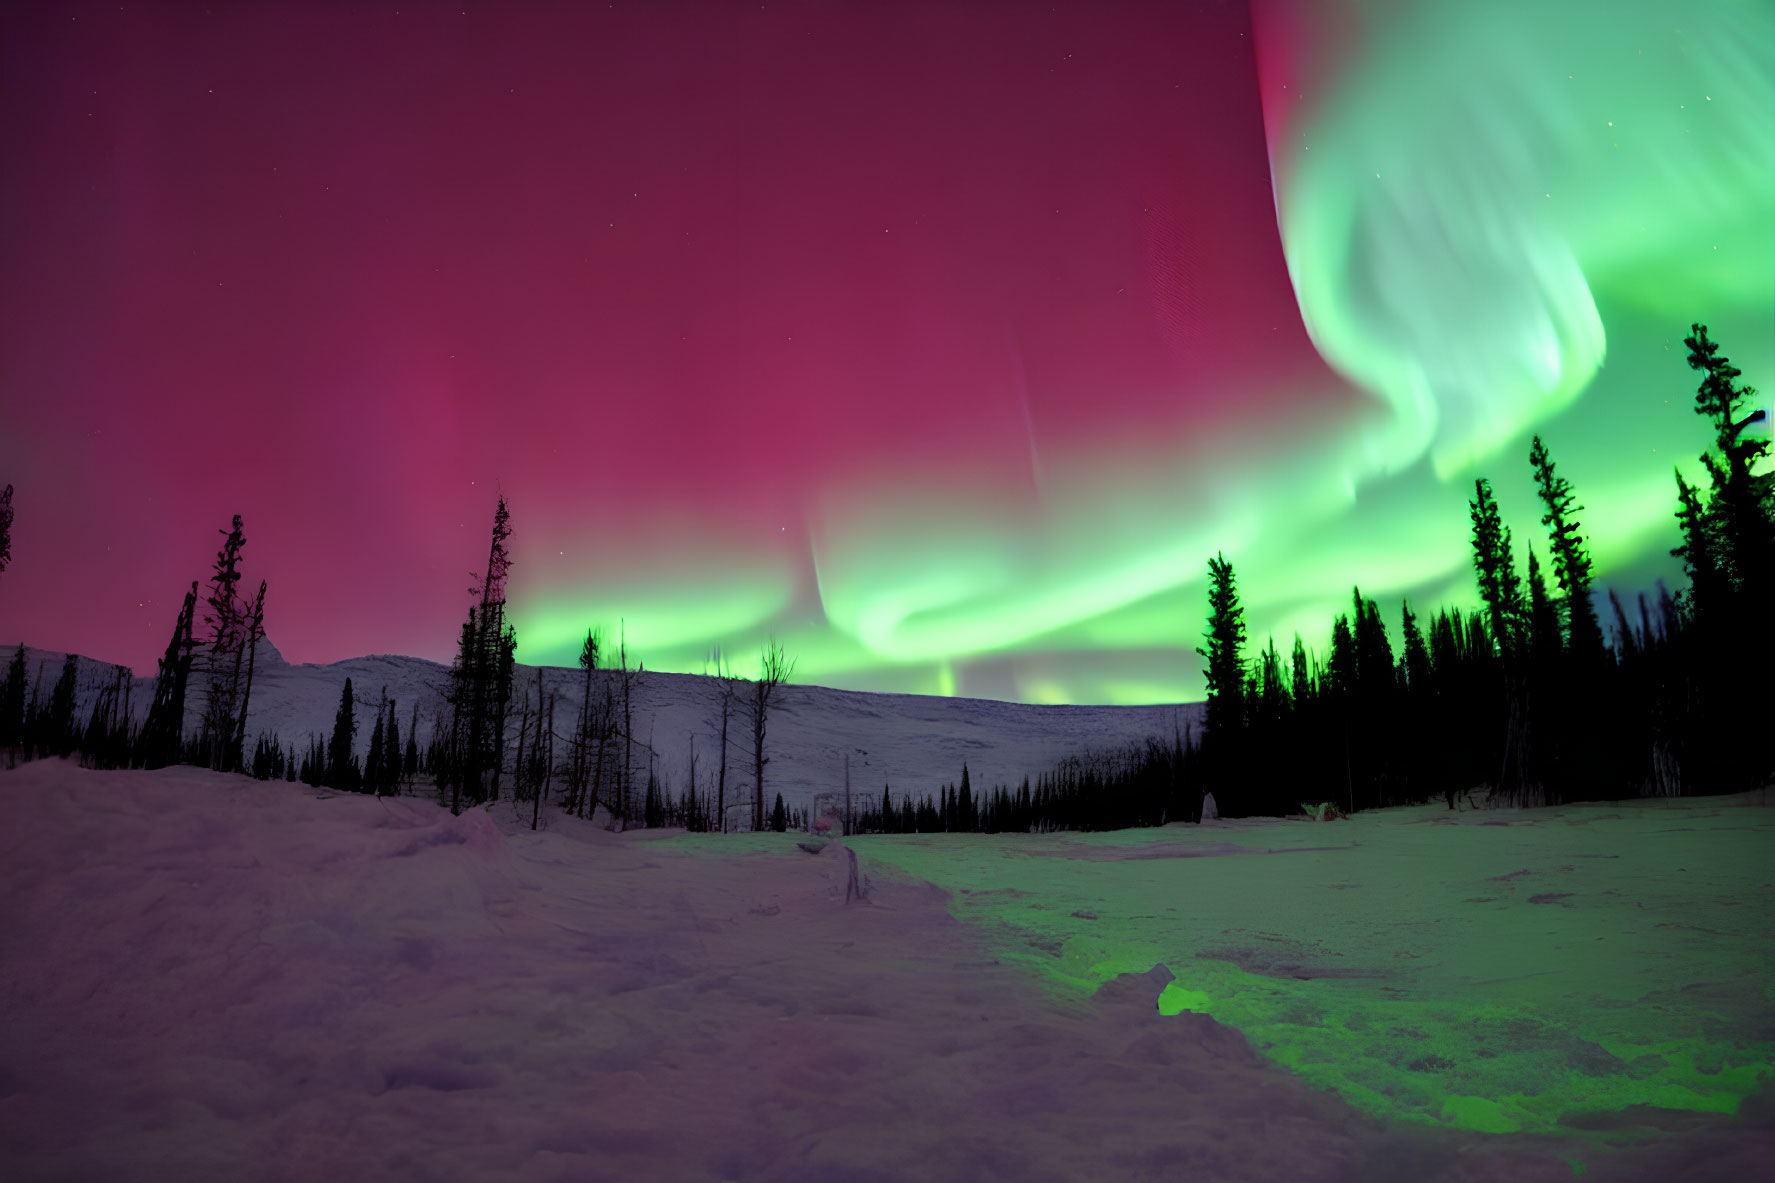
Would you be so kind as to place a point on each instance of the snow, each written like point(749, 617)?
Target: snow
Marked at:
point(1503, 969)
point(212, 977)
point(913, 743)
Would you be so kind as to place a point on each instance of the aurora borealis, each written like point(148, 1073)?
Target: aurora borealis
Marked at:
point(944, 342)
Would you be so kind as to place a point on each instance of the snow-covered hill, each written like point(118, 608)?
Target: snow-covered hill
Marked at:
point(913, 743)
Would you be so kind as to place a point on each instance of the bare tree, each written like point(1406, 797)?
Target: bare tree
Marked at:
point(579, 767)
point(602, 728)
point(691, 812)
point(255, 632)
point(520, 774)
point(625, 777)
point(545, 746)
point(725, 689)
point(774, 668)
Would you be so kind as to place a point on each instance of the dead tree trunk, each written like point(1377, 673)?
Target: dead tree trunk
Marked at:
point(774, 668)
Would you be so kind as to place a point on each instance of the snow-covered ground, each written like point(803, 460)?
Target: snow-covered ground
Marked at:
point(208, 977)
point(912, 743)
point(1497, 970)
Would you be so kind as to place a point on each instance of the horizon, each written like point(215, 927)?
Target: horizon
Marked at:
point(944, 346)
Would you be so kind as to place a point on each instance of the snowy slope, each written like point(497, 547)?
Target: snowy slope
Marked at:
point(910, 742)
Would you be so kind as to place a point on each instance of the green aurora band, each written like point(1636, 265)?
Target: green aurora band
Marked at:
point(1499, 221)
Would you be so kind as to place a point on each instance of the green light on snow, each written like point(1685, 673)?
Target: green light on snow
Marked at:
point(1491, 978)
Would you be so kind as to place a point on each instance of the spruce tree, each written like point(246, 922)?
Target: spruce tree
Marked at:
point(391, 755)
point(1418, 716)
point(373, 759)
point(1416, 660)
point(505, 656)
point(1570, 557)
point(779, 820)
point(1743, 500)
point(1342, 666)
point(1499, 585)
point(1702, 553)
point(1272, 687)
point(651, 805)
point(481, 681)
point(1225, 653)
point(12, 701)
point(34, 716)
point(1374, 652)
point(59, 737)
point(1729, 551)
point(1544, 642)
point(341, 765)
point(163, 732)
point(1300, 675)
point(410, 764)
point(5, 527)
point(224, 651)
point(452, 767)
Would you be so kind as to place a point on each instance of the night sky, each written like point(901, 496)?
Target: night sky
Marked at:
point(945, 342)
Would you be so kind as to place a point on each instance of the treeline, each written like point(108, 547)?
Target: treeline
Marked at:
point(1531, 696)
point(493, 737)
point(1148, 784)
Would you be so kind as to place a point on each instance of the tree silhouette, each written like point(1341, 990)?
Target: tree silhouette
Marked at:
point(224, 651)
point(164, 731)
point(12, 702)
point(342, 770)
point(1225, 653)
point(774, 668)
point(390, 783)
point(1544, 643)
point(481, 681)
point(1743, 501)
point(1499, 585)
point(58, 737)
point(1570, 557)
point(1729, 552)
point(255, 632)
point(373, 758)
point(1224, 672)
point(1415, 661)
point(579, 764)
point(5, 526)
